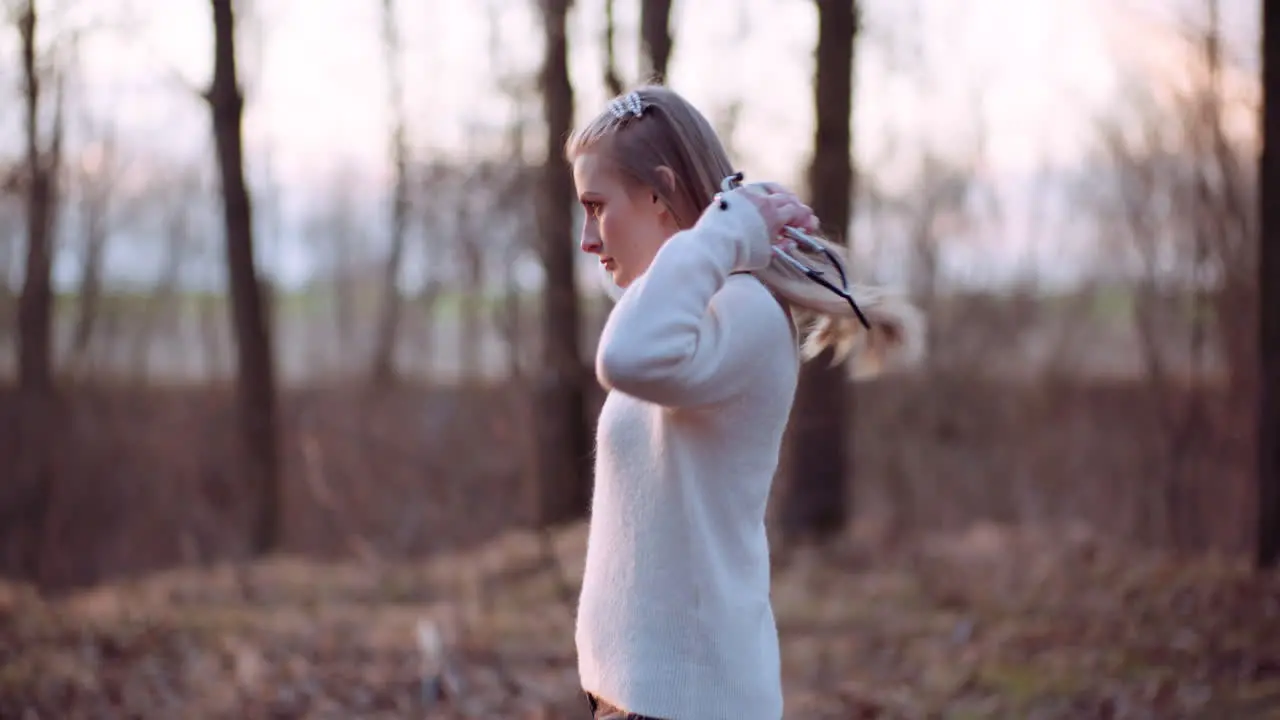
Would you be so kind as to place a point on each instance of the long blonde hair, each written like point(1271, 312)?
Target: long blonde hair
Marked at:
point(670, 133)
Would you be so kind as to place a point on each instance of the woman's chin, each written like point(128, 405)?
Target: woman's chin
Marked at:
point(609, 282)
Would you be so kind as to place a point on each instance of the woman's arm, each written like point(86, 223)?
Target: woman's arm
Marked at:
point(679, 336)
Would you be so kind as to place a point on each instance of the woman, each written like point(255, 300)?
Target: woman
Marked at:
point(700, 359)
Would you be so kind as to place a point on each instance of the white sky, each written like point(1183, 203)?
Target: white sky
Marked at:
point(321, 98)
point(1028, 77)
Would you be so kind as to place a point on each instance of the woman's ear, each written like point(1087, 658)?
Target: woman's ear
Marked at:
point(667, 178)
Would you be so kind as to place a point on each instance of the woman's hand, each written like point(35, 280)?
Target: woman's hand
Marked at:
point(780, 208)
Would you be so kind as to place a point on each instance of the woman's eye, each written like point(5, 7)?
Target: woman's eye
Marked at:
point(594, 208)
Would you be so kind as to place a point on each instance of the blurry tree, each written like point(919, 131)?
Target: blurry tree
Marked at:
point(255, 371)
point(337, 242)
point(513, 187)
point(728, 117)
point(10, 245)
point(941, 193)
point(814, 501)
point(612, 81)
point(1224, 237)
point(564, 480)
point(26, 487)
point(655, 39)
point(470, 244)
point(1183, 198)
point(95, 176)
point(383, 368)
point(510, 314)
point(35, 305)
point(931, 213)
point(1268, 542)
point(1148, 176)
point(437, 196)
point(159, 318)
point(1217, 241)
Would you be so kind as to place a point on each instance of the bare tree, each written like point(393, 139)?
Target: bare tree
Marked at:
point(514, 190)
point(10, 245)
point(728, 117)
point(612, 80)
point(255, 373)
point(35, 305)
point(158, 317)
point(655, 39)
point(1183, 190)
point(389, 319)
point(338, 239)
point(1149, 179)
point(564, 482)
point(96, 176)
point(1268, 533)
point(471, 249)
point(29, 484)
point(814, 502)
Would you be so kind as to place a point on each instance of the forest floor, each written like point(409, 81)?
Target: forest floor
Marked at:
point(992, 623)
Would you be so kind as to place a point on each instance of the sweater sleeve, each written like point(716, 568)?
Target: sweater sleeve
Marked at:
point(680, 336)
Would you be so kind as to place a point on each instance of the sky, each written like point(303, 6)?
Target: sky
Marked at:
point(1025, 80)
point(320, 101)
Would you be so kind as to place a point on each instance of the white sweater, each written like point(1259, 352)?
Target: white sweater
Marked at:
point(674, 619)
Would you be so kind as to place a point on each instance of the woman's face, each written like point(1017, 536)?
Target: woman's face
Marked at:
point(625, 225)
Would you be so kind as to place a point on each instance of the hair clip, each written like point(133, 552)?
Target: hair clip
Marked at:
point(806, 242)
point(628, 104)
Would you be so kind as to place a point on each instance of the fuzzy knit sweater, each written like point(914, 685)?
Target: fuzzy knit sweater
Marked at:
point(701, 363)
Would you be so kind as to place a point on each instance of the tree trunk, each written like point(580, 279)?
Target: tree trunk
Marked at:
point(35, 304)
point(28, 489)
point(471, 312)
point(254, 372)
point(612, 81)
point(564, 480)
point(383, 370)
point(655, 39)
point(1268, 545)
point(96, 200)
point(814, 500)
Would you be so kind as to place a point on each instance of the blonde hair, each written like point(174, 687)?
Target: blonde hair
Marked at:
point(664, 131)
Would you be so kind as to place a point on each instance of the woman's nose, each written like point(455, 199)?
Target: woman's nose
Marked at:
point(590, 242)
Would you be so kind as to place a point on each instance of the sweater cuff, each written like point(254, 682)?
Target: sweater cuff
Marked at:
point(734, 216)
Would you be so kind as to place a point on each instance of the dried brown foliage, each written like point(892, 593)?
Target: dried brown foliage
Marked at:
point(144, 478)
point(984, 624)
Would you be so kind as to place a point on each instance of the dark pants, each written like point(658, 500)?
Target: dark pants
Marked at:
point(601, 710)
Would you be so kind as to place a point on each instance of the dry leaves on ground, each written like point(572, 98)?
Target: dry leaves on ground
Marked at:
point(992, 624)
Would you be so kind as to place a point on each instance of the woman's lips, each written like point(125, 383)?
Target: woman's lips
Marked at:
point(607, 263)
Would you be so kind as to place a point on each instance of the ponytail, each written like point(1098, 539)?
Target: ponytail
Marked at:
point(895, 340)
